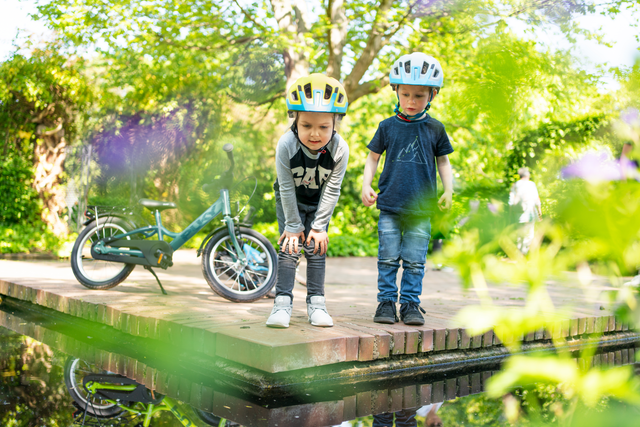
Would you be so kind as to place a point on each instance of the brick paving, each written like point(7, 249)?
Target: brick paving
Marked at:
point(193, 316)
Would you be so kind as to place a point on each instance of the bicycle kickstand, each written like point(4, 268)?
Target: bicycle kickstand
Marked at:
point(147, 267)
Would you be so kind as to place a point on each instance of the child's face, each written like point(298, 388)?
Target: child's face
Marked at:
point(414, 99)
point(315, 129)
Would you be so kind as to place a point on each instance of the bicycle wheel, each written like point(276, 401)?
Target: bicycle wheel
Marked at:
point(232, 279)
point(74, 371)
point(93, 273)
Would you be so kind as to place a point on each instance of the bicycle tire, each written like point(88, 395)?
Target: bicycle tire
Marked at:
point(74, 370)
point(86, 269)
point(233, 281)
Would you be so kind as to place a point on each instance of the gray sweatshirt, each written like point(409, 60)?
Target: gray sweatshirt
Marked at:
point(310, 179)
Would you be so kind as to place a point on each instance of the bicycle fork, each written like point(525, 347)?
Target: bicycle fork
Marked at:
point(226, 218)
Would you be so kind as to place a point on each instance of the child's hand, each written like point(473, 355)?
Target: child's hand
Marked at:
point(290, 239)
point(321, 241)
point(445, 201)
point(369, 196)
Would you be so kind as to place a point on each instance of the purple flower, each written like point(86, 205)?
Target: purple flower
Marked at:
point(492, 208)
point(630, 116)
point(594, 167)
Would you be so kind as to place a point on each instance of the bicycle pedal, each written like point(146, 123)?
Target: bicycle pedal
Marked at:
point(164, 260)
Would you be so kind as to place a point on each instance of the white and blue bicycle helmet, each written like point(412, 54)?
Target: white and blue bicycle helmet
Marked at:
point(417, 69)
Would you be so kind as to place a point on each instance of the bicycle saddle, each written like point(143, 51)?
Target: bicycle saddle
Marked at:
point(153, 205)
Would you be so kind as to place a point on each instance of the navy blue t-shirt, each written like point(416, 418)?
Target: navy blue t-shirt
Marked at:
point(408, 183)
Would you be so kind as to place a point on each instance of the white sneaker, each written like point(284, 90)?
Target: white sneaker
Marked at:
point(281, 313)
point(317, 312)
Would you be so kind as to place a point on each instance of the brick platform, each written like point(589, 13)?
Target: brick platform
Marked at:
point(193, 317)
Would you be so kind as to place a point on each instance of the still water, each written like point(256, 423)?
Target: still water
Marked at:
point(36, 391)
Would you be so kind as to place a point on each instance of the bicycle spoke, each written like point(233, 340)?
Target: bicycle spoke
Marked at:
point(225, 271)
point(224, 262)
point(237, 280)
point(230, 251)
point(252, 282)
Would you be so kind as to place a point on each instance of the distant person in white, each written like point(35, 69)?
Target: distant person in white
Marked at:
point(524, 195)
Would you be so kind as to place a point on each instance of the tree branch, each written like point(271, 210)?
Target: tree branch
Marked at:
point(230, 42)
point(375, 42)
point(367, 88)
point(248, 15)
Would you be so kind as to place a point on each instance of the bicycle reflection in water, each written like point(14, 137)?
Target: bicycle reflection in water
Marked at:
point(106, 399)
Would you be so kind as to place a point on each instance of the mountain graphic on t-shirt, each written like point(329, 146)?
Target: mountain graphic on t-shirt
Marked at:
point(412, 153)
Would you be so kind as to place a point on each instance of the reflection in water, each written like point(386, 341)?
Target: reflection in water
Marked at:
point(35, 391)
point(101, 395)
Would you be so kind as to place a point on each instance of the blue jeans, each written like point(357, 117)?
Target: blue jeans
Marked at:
point(407, 239)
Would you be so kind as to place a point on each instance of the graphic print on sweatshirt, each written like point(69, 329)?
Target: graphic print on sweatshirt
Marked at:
point(310, 174)
point(412, 153)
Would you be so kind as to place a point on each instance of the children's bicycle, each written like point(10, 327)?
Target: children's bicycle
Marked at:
point(103, 398)
point(238, 263)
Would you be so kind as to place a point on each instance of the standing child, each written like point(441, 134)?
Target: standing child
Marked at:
point(311, 160)
point(414, 143)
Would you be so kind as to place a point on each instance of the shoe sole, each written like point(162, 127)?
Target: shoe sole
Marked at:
point(321, 326)
point(385, 320)
point(413, 322)
point(277, 326)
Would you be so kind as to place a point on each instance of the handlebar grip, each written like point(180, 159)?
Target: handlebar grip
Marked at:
point(228, 148)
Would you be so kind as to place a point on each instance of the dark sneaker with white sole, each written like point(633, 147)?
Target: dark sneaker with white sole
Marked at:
point(410, 313)
point(386, 313)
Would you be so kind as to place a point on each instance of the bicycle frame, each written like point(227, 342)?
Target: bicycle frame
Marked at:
point(222, 205)
point(148, 410)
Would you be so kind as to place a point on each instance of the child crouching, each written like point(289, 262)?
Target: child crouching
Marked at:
point(311, 160)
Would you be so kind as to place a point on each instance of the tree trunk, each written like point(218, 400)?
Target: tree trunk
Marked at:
point(293, 24)
point(49, 155)
point(336, 37)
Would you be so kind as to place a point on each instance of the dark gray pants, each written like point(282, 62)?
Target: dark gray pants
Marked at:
point(287, 262)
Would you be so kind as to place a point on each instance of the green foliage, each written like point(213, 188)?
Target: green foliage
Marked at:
point(44, 106)
point(20, 203)
point(31, 384)
point(531, 150)
point(597, 225)
point(35, 237)
point(175, 83)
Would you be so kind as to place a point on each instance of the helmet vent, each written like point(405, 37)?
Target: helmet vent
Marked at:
point(307, 91)
point(340, 98)
point(435, 73)
point(327, 92)
point(294, 95)
point(425, 68)
point(407, 67)
point(395, 70)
